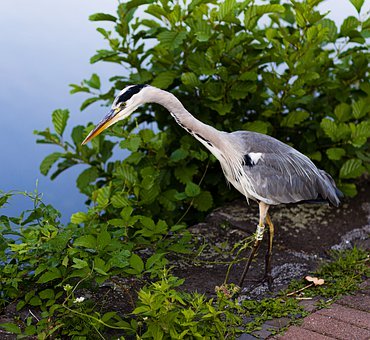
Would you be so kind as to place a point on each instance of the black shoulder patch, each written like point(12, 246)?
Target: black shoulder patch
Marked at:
point(202, 138)
point(248, 160)
point(129, 93)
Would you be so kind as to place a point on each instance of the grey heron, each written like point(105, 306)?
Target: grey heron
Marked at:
point(259, 166)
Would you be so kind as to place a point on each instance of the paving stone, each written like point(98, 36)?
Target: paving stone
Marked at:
point(359, 301)
point(309, 305)
point(265, 331)
point(298, 333)
point(347, 314)
point(331, 327)
point(278, 322)
point(246, 336)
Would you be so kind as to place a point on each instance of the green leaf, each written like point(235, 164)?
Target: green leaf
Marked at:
point(59, 119)
point(120, 200)
point(189, 78)
point(348, 189)
point(102, 197)
point(170, 40)
point(257, 126)
point(94, 81)
point(360, 108)
point(335, 154)
point(360, 133)
point(352, 168)
point(79, 264)
point(179, 155)
point(349, 25)
point(104, 239)
point(192, 189)
point(86, 241)
point(204, 201)
point(52, 274)
point(343, 112)
point(48, 162)
point(47, 294)
point(86, 177)
point(102, 17)
point(88, 102)
point(226, 7)
point(185, 174)
point(164, 79)
point(78, 217)
point(10, 327)
point(136, 263)
point(294, 118)
point(358, 4)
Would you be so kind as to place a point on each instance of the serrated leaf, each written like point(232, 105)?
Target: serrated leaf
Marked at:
point(352, 168)
point(185, 174)
point(189, 78)
point(59, 119)
point(48, 162)
point(86, 177)
point(86, 241)
point(294, 118)
point(126, 172)
point(255, 12)
point(343, 112)
point(120, 200)
point(203, 201)
point(335, 154)
point(120, 258)
point(360, 108)
point(179, 155)
point(226, 7)
point(349, 24)
point(358, 4)
point(102, 197)
point(332, 29)
point(164, 79)
point(171, 40)
point(102, 17)
point(78, 217)
point(360, 133)
point(192, 189)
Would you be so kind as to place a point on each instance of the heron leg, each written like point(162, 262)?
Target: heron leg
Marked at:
point(268, 255)
point(263, 208)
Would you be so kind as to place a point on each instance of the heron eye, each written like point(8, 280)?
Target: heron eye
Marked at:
point(122, 105)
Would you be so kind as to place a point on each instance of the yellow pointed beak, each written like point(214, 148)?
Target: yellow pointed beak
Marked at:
point(111, 118)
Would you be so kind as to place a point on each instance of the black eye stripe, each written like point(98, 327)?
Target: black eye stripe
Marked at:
point(129, 93)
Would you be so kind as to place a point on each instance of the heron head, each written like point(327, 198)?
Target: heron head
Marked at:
point(124, 104)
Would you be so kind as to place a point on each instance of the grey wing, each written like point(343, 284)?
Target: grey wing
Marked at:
point(281, 174)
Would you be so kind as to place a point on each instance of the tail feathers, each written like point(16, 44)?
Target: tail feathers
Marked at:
point(329, 190)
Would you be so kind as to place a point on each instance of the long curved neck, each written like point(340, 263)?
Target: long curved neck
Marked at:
point(206, 134)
